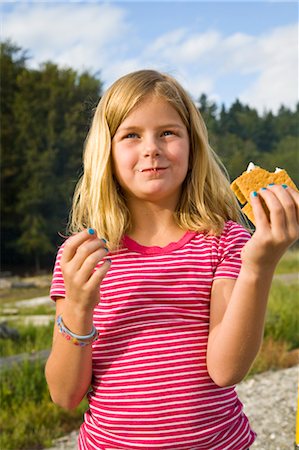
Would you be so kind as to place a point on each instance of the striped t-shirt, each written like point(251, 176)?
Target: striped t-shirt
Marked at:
point(151, 389)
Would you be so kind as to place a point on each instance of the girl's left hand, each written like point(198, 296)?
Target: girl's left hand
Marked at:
point(273, 237)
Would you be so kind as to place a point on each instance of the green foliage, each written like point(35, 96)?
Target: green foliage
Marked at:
point(281, 340)
point(32, 338)
point(282, 321)
point(45, 115)
point(289, 263)
point(28, 418)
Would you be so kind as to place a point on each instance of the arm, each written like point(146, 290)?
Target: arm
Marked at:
point(69, 367)
point(238, 307)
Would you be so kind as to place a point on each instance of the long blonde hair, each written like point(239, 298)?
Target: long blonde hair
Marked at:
point(206, 201)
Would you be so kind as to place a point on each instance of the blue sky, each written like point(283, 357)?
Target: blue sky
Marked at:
point(228, 50)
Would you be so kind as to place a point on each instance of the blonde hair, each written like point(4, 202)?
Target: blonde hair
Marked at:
point(206, 201)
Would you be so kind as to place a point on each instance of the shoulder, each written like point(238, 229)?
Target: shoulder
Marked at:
point(234, 233)
point(233, 230)
point(230, 231)
point(232, 238)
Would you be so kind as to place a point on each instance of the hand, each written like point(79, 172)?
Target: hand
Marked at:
point(272, 237)
point(81, 254)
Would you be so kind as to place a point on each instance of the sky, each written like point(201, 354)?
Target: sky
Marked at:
point(246, 50)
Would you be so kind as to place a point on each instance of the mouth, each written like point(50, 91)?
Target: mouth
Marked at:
point(152, 169)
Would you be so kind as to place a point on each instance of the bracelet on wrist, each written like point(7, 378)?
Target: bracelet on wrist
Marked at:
point(76, 339)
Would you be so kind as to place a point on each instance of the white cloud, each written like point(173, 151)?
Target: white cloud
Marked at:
point(78, 35)
point(262, 69)
point(167, 41)
point(268, 61)
point(276, 61)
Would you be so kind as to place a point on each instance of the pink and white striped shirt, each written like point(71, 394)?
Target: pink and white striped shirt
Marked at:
point(151, 389)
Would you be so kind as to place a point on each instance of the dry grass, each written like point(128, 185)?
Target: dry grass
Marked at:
point(274, 355)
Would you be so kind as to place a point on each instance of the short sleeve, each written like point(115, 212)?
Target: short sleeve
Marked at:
point(57, 286)
point(231, 242)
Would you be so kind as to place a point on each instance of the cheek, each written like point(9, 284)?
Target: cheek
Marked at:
point(184, 158)
point(122, 164)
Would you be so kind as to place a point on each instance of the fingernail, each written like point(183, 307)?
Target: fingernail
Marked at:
point(91, 231)
point(109, 260)
point(104, 240)
point(271, 184)
point(107, 249)
point(284, 186)
point(254, 194)
point(263, 189)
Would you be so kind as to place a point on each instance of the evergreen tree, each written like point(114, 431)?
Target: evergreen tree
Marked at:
point(208, 110)
point(267, 136)
point(50, 110)
point(287, 122)
point(284, 155)
point(236, 153)
point(12, 63)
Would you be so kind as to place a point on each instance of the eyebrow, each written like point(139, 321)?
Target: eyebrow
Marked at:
point(136, 127)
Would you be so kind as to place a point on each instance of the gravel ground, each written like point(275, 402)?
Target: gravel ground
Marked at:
point(270, 401)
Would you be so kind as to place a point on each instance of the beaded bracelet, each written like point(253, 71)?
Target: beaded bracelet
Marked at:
point(76, 339)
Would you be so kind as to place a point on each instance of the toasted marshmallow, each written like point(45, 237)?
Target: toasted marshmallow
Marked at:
point(250, 167)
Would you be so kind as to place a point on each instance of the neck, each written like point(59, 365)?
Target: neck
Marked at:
point(154, 224)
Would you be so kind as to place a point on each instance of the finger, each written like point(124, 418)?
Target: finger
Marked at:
point(260, 216)
point(276, 209)
point(91, 262)
point(293, 192)
point(99, 274)
point(291, 207)
point(85, 252)
point(290, 203)
point(295, 195)
point(72, 244)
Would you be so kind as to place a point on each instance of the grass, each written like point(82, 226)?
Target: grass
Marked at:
point(38, 310)
point(274, 355)
point(281, 339)
point(28, 418)
point(32, 339)
point(289, 262)
point(11, 295)
point(282, 320)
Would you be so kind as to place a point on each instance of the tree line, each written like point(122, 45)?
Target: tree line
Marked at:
point(45, 114)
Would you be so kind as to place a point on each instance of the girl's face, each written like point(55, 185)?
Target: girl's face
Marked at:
point(150, 152)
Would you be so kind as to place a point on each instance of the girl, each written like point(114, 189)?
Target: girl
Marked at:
point(162, 327)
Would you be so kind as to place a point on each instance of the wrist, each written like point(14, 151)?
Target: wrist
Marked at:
point(258, 271)
point(76, 339)
point(78, 320)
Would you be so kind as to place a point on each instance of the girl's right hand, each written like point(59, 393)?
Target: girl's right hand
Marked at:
point(81, 254)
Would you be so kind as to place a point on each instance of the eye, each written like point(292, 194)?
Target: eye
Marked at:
point(131, 136)
point(167, 133)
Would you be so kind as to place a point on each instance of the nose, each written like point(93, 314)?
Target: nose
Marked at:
point(151, 147)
